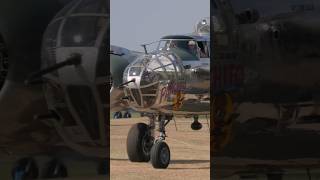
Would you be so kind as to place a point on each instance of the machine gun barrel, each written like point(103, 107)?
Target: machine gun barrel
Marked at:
point(73, 60)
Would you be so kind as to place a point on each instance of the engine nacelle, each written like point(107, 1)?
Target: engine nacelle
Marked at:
point(117, 66)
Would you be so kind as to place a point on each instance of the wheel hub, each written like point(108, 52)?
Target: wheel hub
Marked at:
point(164, 155)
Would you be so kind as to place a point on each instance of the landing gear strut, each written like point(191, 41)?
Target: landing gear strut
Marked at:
point(142, 145)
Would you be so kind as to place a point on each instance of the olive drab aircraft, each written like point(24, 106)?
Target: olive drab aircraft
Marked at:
point(121, 57)
point(54, 82)
point(172, 80)
point(264, 52)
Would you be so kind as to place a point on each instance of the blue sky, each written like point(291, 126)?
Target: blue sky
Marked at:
point(134, 22)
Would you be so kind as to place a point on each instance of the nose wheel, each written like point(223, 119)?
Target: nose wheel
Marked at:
point(160, 155)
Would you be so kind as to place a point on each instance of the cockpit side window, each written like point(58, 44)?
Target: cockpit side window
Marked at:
point(163, 45)
point(203, 49)
point(186, 49)
point(183, 44)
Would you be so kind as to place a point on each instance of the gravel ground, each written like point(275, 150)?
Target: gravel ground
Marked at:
point(190, 153)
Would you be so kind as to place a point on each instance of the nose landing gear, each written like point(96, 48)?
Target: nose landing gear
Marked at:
point(142, 145)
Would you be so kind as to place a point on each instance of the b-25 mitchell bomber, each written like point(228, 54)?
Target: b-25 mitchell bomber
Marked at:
point(170, 81)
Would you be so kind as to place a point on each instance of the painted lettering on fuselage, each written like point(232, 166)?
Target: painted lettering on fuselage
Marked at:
point(171, 89)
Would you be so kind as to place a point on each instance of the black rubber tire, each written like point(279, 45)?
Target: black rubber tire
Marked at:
point(135, 143)
point(127, 115)
point(156, 160)
point(55, 169)
point(32, 172)
point(117, 115)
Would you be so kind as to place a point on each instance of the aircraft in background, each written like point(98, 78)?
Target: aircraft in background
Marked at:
point(172, 80)
point(54, 81)
point(119, 55)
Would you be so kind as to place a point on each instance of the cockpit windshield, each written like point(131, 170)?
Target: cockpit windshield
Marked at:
point(199, 49)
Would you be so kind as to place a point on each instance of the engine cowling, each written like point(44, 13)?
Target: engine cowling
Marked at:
point(117, 67)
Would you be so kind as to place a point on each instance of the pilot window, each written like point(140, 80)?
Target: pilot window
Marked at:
point(182, 44)
point(163, 45)
point(168, 44)
point(186, 49)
